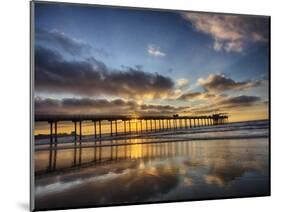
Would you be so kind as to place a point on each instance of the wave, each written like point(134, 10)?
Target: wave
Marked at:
point(150, 141)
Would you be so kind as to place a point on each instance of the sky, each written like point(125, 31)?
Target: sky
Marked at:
point(102, 60)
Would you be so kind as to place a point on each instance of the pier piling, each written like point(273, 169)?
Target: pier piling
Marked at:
point(152, 123)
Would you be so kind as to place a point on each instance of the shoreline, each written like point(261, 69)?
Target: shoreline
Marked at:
point(152, 142)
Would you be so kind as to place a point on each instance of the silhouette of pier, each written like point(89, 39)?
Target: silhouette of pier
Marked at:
point(143, 124)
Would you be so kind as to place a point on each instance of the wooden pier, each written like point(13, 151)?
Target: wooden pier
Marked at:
point(145, 124)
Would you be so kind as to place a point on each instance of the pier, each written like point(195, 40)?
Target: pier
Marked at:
point(144, 124)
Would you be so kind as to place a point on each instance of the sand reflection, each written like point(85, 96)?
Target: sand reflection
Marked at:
point(151, 172)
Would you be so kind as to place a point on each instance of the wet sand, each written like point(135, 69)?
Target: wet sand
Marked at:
point(153, 172)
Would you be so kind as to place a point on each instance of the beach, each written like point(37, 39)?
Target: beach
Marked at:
point(223, 161)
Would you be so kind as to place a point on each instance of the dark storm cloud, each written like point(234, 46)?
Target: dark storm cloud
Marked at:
point(100, 106)
point(220, 83)
point(92, 77)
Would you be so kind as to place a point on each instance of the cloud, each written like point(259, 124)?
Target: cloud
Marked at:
point(60, 39)
point(100, 107)
point(205, 110)
point(231, 33)
point(199, 96)
point(149, 109)
point(45, 106)
point(222, 103)
point(239, 101)
point(66, 43)
point(189, 96)
point(155, 51)
point(220, 83)
point(54, 74)
point(81, 106)
point(182, 83)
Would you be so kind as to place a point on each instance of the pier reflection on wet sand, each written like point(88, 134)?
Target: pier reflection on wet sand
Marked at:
point(151, 172)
